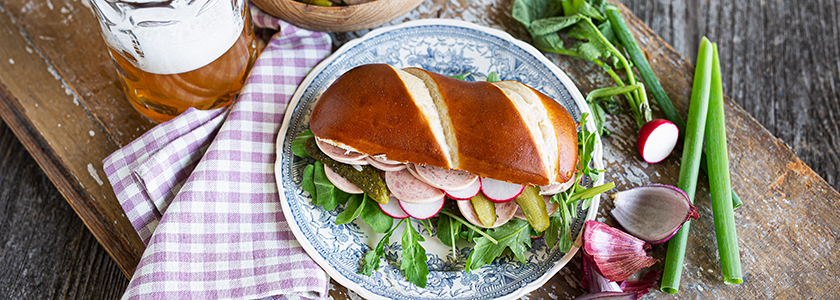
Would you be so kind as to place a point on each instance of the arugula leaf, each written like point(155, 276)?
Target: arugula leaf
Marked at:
point(371, 261)
point(448, 230)
point(414, 257)
point(514, 235)
point(565, 234)
point(373, 216)
point(461, 77)
point(553, 230)
point(308, 181)
point(493, 77)
point(299, 141)
point(352, 211)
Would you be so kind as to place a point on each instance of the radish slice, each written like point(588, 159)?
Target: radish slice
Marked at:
point(384, 166)
point(393, 209)
point(422, 211)
point(550, 208)
point(504, 212)
point(340, 182)
point(500, 191)
point(657, 139)
point(341, 155)
point(445, 179)
point(466, 193)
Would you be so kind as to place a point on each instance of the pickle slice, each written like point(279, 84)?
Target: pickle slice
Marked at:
point(533, 206)
point(484, 209)
point(368, 179)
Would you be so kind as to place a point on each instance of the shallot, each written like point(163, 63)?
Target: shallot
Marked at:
point(652, 212)
point(613, 253)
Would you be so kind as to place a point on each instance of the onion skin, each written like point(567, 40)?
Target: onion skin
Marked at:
point(610, 296)
point(654, 212)
point(613, 253)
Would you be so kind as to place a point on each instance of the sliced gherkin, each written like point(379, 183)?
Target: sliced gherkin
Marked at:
point(484, 209)
point(533, 206)
point(368, 179)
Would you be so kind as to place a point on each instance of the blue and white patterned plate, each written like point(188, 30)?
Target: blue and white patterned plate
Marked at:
point(447, 47)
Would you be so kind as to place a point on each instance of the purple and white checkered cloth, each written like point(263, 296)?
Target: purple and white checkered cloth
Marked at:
point(200, 190)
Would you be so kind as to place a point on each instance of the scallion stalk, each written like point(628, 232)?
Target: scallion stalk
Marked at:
point(690, 165)
point(724, 217)
point(622, 32)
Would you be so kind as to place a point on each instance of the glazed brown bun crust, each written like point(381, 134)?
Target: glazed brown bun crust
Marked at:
point(371, 110)
point(505, 131)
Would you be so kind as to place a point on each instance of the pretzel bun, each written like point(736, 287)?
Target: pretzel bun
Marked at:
point(503, 130)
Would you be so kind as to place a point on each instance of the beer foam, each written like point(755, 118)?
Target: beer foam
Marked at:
point(173, 37)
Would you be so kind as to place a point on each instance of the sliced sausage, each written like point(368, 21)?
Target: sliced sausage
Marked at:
point(408, 188)
point(340, 182)
point(445, 179)
point(556, 188)
point(341, 155)
point(382, 159)
point(384, 166)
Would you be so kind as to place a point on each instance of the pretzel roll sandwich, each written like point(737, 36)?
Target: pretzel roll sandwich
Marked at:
point(426, 129)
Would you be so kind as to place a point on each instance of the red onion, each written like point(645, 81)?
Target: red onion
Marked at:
point(602, 288)
point(613, 253)
point(653, 212)
point(642, 286)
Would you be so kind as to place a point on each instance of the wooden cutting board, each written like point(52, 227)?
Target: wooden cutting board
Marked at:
point(61, 97)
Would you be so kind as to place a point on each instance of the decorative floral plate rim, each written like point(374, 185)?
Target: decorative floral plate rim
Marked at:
point(434, 41)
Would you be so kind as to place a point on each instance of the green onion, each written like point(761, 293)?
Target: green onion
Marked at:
point(622, 32)
point(727, 236)
point(690, 165)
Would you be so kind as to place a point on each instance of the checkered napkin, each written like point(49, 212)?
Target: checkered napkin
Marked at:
point(200, 190)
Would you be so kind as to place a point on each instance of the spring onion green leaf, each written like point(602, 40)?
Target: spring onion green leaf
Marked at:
point(724, 217)
point(690, 165)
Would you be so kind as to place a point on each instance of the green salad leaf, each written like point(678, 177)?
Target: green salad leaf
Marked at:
point(370, 262)
point(414, 257)
point(352, 210)
point(373, 216)
point(299, 142)
point(514, 235)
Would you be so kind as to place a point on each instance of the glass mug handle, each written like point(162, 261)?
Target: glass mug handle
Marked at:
point(175, 54)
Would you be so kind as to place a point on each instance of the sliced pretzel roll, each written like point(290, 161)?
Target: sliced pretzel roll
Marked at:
point(505, 130)
point(378, 110)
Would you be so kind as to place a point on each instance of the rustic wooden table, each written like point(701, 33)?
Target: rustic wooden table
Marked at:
point(781, 64)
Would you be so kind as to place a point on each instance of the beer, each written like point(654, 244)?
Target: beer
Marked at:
point(175, 54)
point(164, 96)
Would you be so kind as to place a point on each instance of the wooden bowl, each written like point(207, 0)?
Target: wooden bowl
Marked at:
point(337, 18)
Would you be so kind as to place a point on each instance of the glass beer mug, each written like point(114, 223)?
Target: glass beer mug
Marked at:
point(176, 54)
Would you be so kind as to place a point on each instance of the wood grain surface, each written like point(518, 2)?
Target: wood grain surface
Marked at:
point(781, 66)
